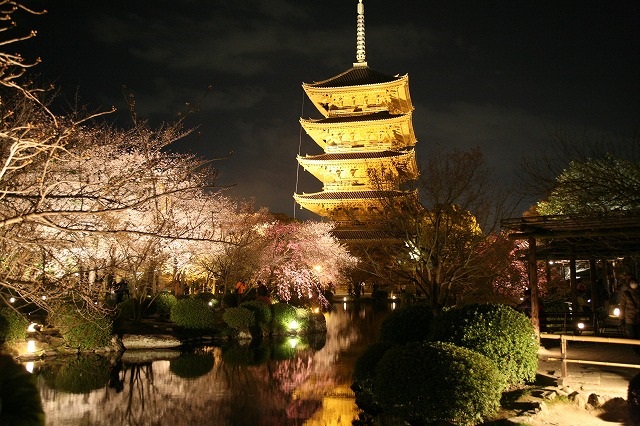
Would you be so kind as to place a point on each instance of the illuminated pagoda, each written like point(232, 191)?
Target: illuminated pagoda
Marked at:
point(367, 137)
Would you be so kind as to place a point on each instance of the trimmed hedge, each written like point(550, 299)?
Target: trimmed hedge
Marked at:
point(261, 312)
point(163, 303)
point(13, 326)
point(241, 319)
point(497, 331)
point(283, 314)
point(411, 323)
point(193, 314)
point(429, 382)
point(81, 328)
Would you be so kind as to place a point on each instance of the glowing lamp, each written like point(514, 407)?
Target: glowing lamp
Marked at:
point(293, 325)
point(581, 325)
point(293, 342)
point(616, 312)
point(12, 300)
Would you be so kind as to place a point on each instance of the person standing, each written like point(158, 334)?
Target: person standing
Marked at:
point(630, 310)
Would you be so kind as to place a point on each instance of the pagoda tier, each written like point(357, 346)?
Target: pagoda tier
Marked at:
point(372, 132)
point(362, 170)
point(354, 207)
point(360, 90)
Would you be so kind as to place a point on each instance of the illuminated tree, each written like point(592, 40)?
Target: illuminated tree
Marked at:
point(301, 260)
point(595, 186)
point(447, 236)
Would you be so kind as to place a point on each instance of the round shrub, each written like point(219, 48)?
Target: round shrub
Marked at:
point(283, 314)
point(261, 311)
point(429, 382)
point(364, 373)
point(497, 331)
point(13, 325)
point(81, 328)
point(80, 375)
point(411, 323)
point(163, 303)
point(191, 366)
point(241, 319)
point(193, 314)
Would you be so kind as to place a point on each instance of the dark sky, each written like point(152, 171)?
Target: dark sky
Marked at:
point(501, 75)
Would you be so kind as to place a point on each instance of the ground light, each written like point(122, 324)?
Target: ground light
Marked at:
point(293, 325)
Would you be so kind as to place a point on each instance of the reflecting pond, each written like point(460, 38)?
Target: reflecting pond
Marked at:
point(289, 382)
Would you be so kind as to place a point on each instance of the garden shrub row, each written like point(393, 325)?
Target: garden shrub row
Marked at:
point(80, 327)
point(278, 319)
point(451, 369)
point(13, 325)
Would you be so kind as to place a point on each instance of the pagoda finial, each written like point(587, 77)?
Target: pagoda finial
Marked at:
point(361, 58)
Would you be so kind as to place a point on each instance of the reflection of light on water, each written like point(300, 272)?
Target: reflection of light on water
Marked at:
point(293, 342)
point(344, 306)
point(31, 346)
point(393, 305)
point(29, 366)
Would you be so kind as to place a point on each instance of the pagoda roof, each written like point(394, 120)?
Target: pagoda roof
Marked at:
point(355, 76)
point(376, 116)
point(353, 195)
point(355, 155)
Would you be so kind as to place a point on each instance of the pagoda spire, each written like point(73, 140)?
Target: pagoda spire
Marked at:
point(361, 58)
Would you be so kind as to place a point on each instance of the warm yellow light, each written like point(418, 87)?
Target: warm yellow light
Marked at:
point(44, 297)
point(393, 306)
point(318, 268)
point(344, 299)
point(31, 346)
point(616, 312)
point(29, 366)
point(581, 325)
point(293, 325)
point(12, 300)
point(32, 327)
point(293, 342)
point(316, 310)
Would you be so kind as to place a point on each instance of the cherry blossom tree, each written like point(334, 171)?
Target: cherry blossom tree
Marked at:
point(302, 259)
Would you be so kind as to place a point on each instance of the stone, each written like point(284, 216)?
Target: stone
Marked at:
point(156, 341)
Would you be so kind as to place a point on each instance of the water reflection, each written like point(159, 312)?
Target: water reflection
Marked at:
point(288, 382)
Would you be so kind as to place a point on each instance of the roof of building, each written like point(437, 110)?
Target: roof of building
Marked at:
point(353, 195)
point(355, 155)
point(596, 236)
point(355, 118)
point(355, 76)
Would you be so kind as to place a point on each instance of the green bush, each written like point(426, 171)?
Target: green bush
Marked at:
point(429, 382)
point(193, 314)
point(283, 314)
point(163, 303)
point(13, 325)
point(81, 328)
point(241, 319)
point(497, 331)
point(364, 374)
point(261, 311)
point(80, 375)
point(192, 365)
point(411, 323)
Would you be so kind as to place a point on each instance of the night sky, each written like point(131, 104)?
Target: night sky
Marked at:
point(501, 75)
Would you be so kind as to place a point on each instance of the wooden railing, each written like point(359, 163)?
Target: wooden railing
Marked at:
point(579, 323)
point(599, 339)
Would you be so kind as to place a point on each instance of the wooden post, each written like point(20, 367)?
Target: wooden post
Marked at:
point(533, 286)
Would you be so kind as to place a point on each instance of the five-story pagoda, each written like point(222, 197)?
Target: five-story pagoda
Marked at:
point(368, 140)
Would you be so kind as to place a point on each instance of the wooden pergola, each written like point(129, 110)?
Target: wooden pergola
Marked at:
point(572, 237)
